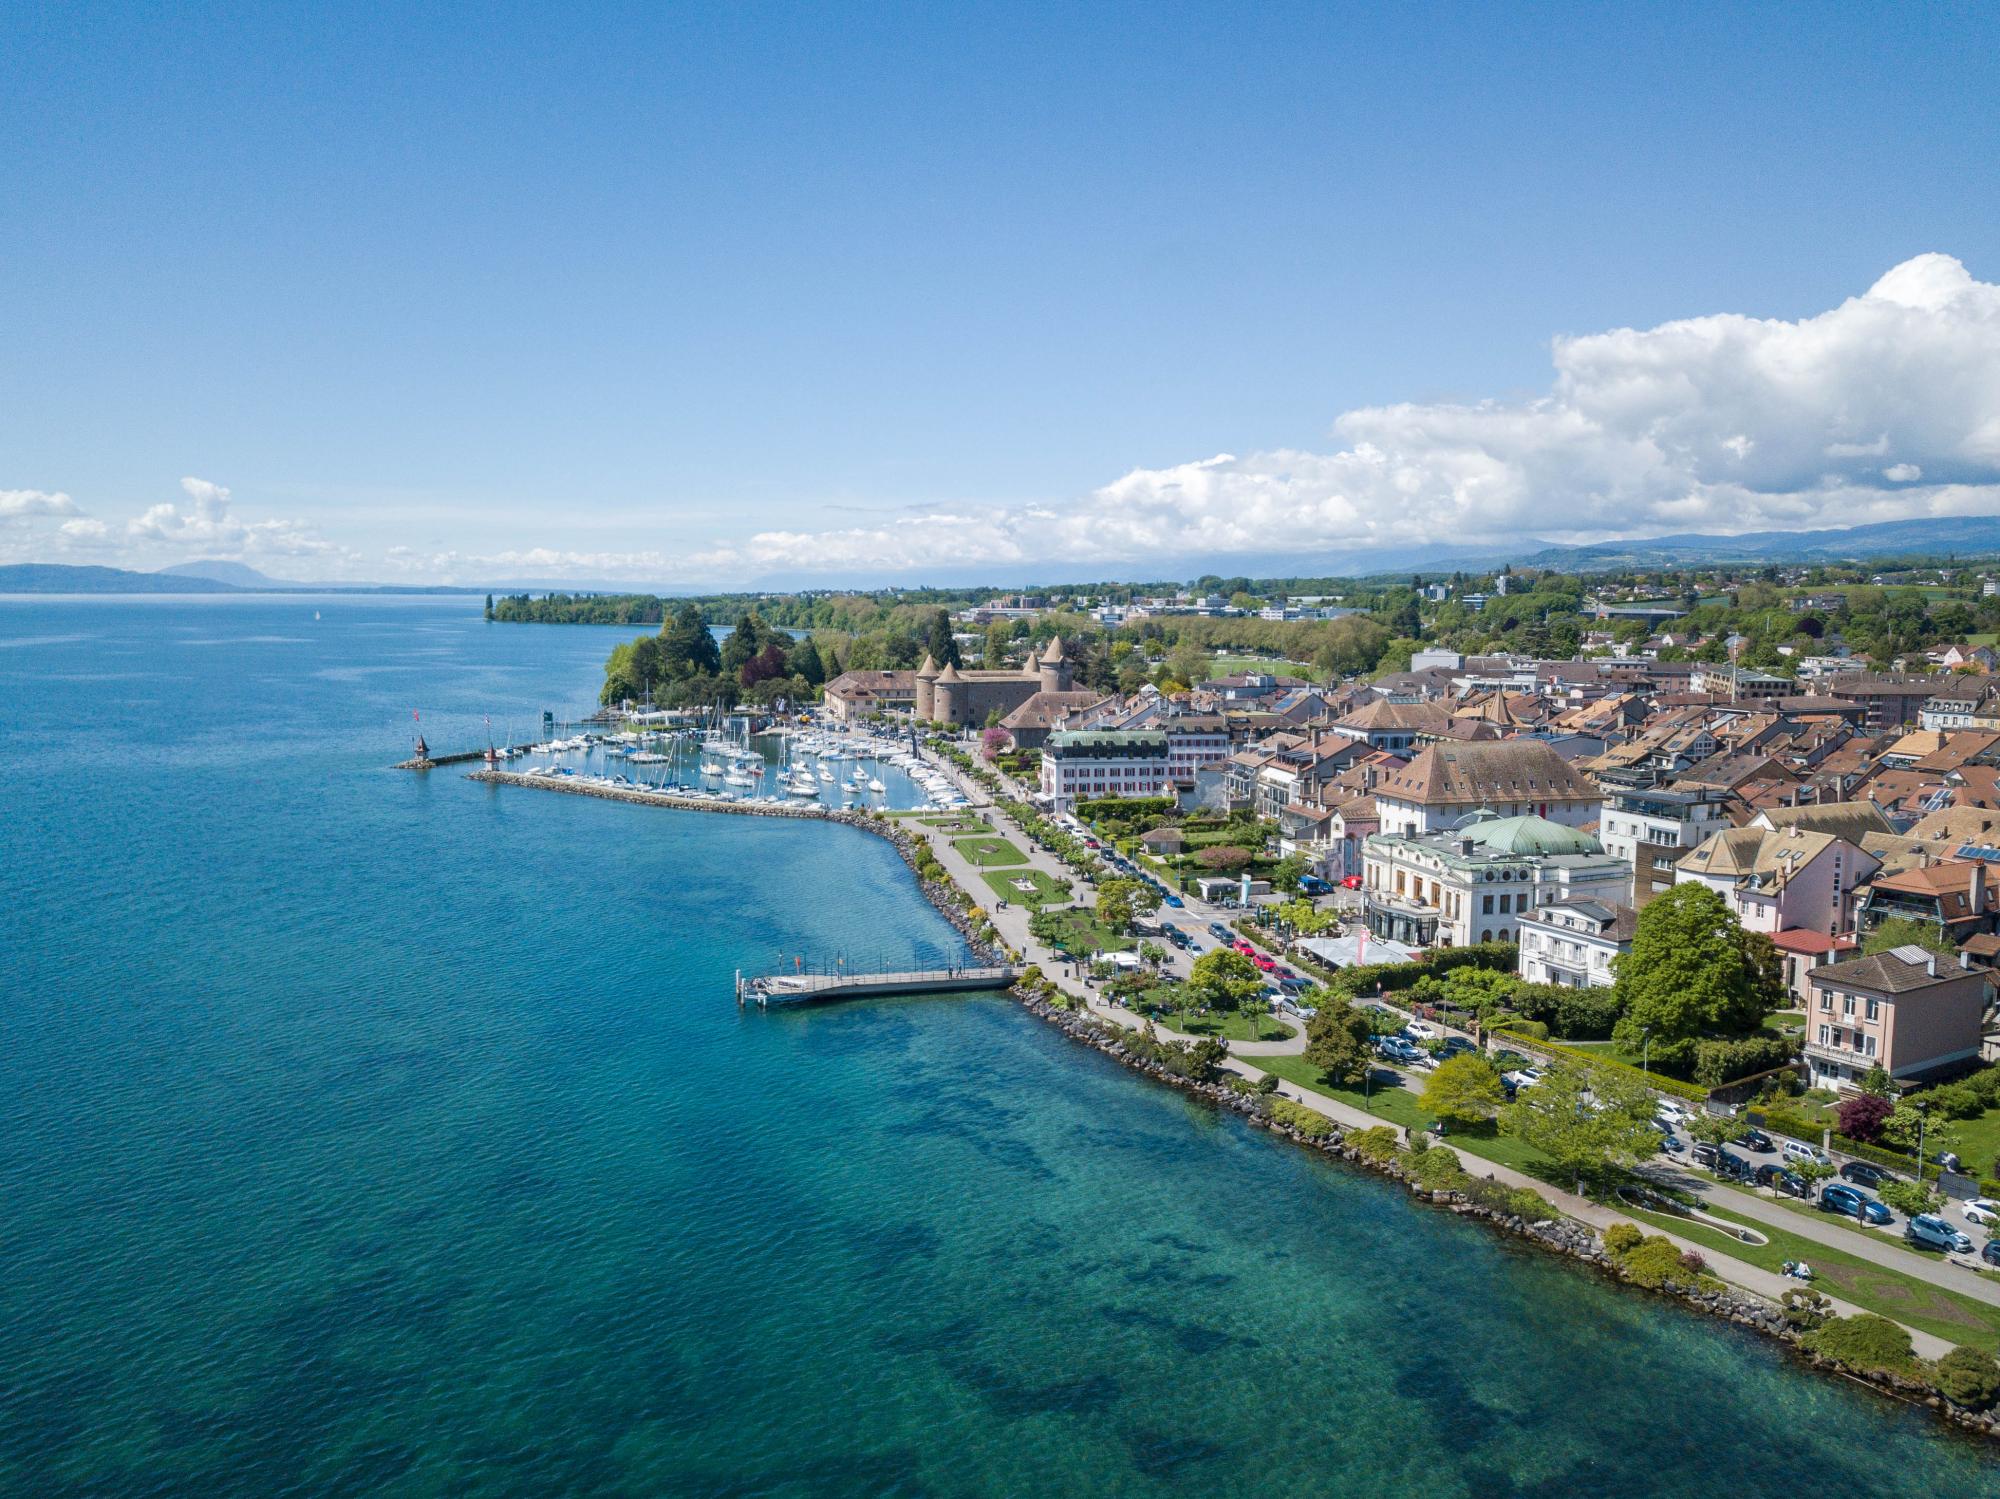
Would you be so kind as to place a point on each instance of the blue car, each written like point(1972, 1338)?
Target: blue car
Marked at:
point(1837, 1197)
point(1174, 901)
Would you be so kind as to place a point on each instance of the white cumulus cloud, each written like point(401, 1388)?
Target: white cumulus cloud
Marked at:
point(205, 524)
point(18, 504)
point(1723, 423)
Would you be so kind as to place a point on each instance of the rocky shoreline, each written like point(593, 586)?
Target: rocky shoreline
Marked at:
point(1561, 1236)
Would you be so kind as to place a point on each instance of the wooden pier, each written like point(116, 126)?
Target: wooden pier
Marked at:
point(808, 988)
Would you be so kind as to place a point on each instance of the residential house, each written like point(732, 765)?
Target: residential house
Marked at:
point(1908, 1011)
point(1651, 828)
point(1574, 942)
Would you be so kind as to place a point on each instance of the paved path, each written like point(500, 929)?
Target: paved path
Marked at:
point(1876, 1248)
point(1013, 925)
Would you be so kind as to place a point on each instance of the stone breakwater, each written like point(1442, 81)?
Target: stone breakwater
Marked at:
point(941, 894)
point(1563, 1236)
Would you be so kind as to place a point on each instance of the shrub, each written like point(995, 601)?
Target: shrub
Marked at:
point(1534, 1030)
point(1967, 1377)
point(1268, 1083)
point(1804, 1310)
point(1311, 1123)
point(1437, 1169)
point(1955, 1101)
point(1622, 1238)
point(1376, 1144)
point(1519, 1202)
point(1863, 1343)
point(1654, 1263)
point(1716, 1062)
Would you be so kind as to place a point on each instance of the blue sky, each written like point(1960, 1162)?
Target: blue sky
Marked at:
point(679, 295)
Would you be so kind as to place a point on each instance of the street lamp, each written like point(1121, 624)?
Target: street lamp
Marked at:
point(1923, 1118)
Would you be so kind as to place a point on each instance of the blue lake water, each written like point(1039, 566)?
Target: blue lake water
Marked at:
point(369, 1133)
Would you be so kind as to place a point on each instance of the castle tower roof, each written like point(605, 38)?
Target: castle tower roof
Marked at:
point(929, 668)
point(949, 674)
point(1056, 652)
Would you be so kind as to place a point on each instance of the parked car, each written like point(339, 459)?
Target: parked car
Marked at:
point(1932, 1232)
point(1417, 1030)
point(1731, 1166)
point(1865, 1174)
point(1982, 1210)
point(1220, 932)
point(1174, 901)
point(1246, 947)
point(1264, 964)
point(1670, 1108)
point(1778, 1179)
point(1755, 1139)
point(1991, 1252)
point(1352, 882)
point(1455, 1045)
point(1672, 1143)
point(1798, 1150)
point(1705, 1154)
point(1837, 1197)
point(1396, 1049)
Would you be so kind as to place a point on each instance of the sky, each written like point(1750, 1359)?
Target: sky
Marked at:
point(717, 296)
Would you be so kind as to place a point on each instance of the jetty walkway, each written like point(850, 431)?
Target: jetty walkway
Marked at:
point(805, 988)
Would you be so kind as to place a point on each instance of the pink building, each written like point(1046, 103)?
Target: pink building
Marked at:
point(1908, 1011)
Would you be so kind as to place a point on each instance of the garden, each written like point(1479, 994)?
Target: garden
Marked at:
point(989, 852)
point(1026, 887)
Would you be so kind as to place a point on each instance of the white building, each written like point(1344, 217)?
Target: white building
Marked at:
point(1446, 783)
point(1084, 764)
point(1475, 882)
point(1573, 942)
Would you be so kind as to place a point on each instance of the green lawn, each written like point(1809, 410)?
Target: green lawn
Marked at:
point(1916, 1303)
point(1048, 891)
point(1977, 1141)
point(954, 822)
point(1082, 932)
point(1230, 1027)
point(989, 852)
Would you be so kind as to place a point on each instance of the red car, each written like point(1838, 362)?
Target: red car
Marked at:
point(1245, 948)
point(1264, 964)
point(1352, 882)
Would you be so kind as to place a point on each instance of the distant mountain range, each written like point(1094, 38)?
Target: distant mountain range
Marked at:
point(236, 574)
point(1962, 536)
point(189, 577)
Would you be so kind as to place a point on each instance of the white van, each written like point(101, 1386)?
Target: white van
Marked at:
point(1795, 1150)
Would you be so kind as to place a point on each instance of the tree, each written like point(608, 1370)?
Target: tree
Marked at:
point(1114, 910)
point(1692, 969)
point(489, 606)
point(1223, 979)
point(1224, 859)
point(1901, 931)
point(744, 643)
point(1288, 871)
point(998, 634)
point(688, 647)
point(939, 643)
point(802, 657)
point(1587, 1124)
point(1340, 1041)
point(1464, 1089)
point(1861, 1117)
point(993, 741)
point(1877, 1083)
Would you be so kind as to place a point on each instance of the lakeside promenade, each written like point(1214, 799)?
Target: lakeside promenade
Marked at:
point(1770, 1286)
point(1013, 927)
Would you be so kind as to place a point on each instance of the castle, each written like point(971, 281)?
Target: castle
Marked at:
point(968, 697)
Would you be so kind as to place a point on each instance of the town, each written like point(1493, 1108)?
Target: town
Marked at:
point(1720, 863)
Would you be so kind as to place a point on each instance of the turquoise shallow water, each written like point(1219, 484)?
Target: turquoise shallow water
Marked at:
point(363, 1133)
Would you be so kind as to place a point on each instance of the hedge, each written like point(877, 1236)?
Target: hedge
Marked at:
point(1311, 1123)
point(1390, 977)
point(1124, 806)
point(1622, 1069)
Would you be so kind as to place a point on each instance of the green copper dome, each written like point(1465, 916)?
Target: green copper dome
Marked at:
point(1531, 835)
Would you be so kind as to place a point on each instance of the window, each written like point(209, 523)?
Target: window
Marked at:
point(1847, 1004)
point(1486, 908)
point(1869, 1045)
point(1825, 1036)
point(1825, 1000)
point(1873, 1005)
